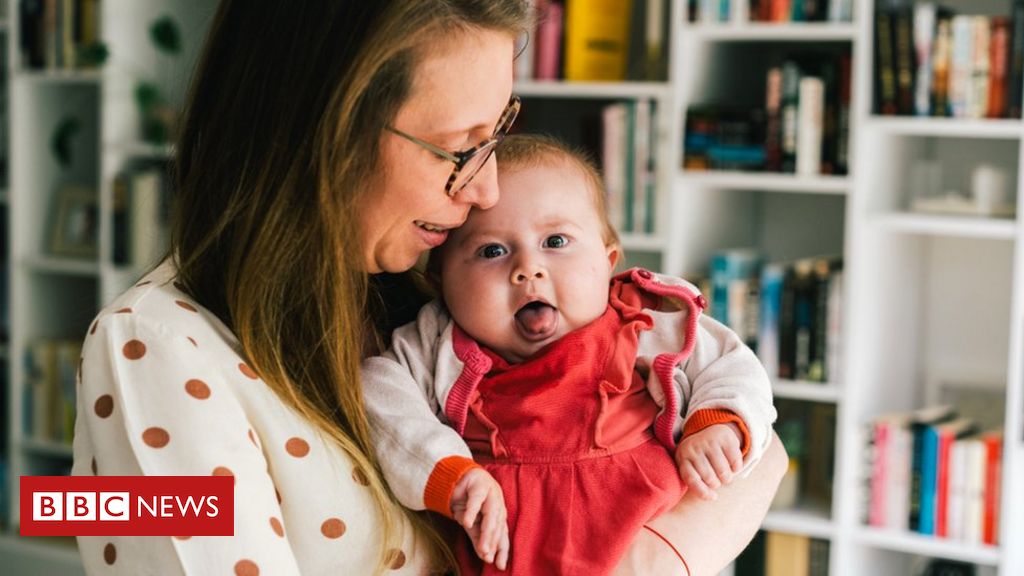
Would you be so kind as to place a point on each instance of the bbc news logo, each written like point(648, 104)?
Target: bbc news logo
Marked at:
point(127, 505)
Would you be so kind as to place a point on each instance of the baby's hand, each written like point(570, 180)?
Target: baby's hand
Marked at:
point(478, 504)
point(709, 458)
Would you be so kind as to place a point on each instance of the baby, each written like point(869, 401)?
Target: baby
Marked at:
point(550, 407)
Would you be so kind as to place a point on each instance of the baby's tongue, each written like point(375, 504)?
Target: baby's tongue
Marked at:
point(537, 322)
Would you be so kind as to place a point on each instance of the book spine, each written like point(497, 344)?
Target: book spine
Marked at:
point(929, 479)
point(773, 121)
point(549, 40)
point(1015, 85)
point(960, 66)
point(810, 126)
point(903, 35)
point(979, 85)
point(999, 47)
point(993, 483)
point(596, 39)
point(941, 64)
point(924, 36)
point(768, 336)
point(885, 81)
point(790, 115)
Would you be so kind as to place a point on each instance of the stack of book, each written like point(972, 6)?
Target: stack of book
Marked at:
point(628, 163)
point(781, 554)
point(930, 61)
point(51, 369)
point(596, 40)
point(933, 472)
point(710, 11)
point(53, 33)
point(803, 128)
point(790, 313)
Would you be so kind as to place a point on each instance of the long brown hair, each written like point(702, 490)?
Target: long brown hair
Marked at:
point(281, 134)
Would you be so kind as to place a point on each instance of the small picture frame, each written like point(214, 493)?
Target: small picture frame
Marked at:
point(76, 223)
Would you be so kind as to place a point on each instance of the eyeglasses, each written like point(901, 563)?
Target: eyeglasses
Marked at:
point(469, 162)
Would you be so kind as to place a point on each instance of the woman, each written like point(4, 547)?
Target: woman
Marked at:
point(312, 157)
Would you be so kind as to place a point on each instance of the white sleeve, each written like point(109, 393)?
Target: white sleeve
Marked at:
point(151, 404)
point(724, 373)
point(407, 422)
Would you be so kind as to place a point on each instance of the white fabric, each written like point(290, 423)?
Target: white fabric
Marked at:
point(330, 525)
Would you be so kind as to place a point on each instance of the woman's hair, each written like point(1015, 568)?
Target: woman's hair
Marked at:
point(529, 150)
point(280, 139)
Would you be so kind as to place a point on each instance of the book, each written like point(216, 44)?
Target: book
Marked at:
point(548, 53)
point(885, 63)
point(596, 40)
point(924, 39)
point(941, 62)
point(614, 149)
point(1015, 72)
point(999, 54)
point(919, 508)
point(993, 443)
point(810, 126)
point(787, 554)
point(938, 445)
point(768, 333)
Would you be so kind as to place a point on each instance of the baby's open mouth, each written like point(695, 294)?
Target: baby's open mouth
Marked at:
point(537, 321)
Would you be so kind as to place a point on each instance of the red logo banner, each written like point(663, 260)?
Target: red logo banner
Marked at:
point(127, 506)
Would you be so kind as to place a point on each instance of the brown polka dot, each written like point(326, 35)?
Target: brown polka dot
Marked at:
point(297, 447)
point(249, 372)
point(395, 559)
point(192, 340)
point(182, 537)
point(275, 524)
point(156, 437)
point(224, 471)
point(186, 305)
point(94, 325)
point(134, 349)
point(93, 466)
point(104, 406)
point(246, 568)
point(359, 476)
point(197, 389)
point(109, 554)
point(252, 438)
point(333, 528)
point(124, 311)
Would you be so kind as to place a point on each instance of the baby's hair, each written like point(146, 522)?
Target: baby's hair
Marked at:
point(519, 151)
point(527, 150)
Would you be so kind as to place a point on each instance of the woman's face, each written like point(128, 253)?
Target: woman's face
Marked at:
point(458, 93)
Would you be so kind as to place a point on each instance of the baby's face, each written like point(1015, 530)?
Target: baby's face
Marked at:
point(531, 269)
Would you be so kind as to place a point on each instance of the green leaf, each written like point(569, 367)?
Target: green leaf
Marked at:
point(147, 95)
point(93, 55)
point(166, 35)
point(60, 141)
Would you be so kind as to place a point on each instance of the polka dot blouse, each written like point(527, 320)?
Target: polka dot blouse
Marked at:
point(165, 391)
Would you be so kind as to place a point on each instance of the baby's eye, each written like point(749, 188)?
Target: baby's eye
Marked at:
point(556, 241)
point(492, 251)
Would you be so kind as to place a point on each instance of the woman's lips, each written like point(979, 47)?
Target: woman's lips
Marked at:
point(433, 236)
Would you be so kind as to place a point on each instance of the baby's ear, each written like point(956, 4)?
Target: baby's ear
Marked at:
point(614, 255)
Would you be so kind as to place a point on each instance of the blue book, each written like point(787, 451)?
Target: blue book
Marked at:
point(929, 475)
point(771, 303)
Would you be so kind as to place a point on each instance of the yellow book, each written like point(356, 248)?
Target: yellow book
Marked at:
point(597, 39)
point(787, 555)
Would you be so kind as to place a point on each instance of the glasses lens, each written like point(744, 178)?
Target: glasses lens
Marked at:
point(473, 165)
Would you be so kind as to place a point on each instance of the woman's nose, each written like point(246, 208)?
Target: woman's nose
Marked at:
point(482, 190)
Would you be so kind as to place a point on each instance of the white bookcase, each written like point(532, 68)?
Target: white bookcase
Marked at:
point(929, 299)
point(52, 296)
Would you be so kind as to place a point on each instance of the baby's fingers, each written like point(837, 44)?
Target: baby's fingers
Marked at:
point(720, 463)
point(501, 558)
point(694, 481)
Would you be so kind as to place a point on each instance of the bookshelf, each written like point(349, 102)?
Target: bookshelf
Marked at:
point(927, 297)
point(53, 294)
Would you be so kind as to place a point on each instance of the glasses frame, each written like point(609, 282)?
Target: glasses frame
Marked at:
point(462, 158)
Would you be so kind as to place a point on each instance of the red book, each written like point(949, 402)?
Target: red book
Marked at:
point(993, 482)
point(549, 41)
point(999, 52)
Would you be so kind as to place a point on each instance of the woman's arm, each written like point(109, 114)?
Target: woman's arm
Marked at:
point(709, 534)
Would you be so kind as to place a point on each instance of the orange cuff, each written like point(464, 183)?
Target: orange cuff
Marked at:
point(702, 419)
point(437, 495)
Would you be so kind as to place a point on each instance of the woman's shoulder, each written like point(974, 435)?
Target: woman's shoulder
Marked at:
point(157, 304)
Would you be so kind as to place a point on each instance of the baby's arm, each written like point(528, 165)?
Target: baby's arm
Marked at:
point(425, 462)
point(729, 409)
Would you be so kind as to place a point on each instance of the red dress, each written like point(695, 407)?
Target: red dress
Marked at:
point(568, 435)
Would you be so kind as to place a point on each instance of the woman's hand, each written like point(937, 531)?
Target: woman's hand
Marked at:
point(478, 504)
point(709, 535)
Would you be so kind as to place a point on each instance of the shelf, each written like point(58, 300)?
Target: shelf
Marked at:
point(804, 521)
point(47, 448)
point(803, 390)
point(54, 265)
point(60, 76)
point(642, 242)
point(54, 555)
point(948, 127)
point(593, 90)
point(910, 543)
point(143, 150)
point(767, 182)
point(783, 32)
point(954, 226)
